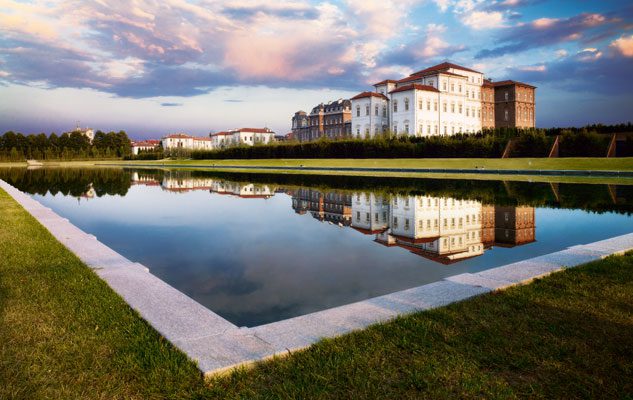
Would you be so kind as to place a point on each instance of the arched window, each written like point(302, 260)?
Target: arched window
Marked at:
point(505, 115)
point(358, 111)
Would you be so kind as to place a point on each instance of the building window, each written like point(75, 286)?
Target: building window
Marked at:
point(435, 106)
point(395, 106)
point(367, 109)
point(444, 85)
point(384, 111)
point(444, 106)
point(428, 105)
point(505, 115)
point(452, 87)
point(506, 95)
point(406, 128)
point(358, 111)
point(460, 88)
point(420, 104)
point(460, 108)
point(406, 104)
point(452, 107)
point(376, 110)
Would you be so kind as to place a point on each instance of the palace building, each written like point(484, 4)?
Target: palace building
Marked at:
point(331, 120)
point(445, 99)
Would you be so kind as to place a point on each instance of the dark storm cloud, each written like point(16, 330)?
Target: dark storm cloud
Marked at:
point(583, 28)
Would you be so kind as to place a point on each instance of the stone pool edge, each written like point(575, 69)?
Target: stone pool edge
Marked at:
point(219, 346)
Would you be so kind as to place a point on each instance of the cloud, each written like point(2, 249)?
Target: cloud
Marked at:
point(585, 28)
point(624, 45)
point(589, 70)
point(484, 20)
point(176, 48)
point(425, 48)
point(171, 104)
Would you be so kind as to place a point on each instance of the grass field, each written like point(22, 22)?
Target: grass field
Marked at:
point(64, 334)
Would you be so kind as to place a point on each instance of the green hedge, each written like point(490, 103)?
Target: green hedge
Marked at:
point(473, 146)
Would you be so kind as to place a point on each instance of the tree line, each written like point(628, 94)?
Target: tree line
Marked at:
point(67, 146)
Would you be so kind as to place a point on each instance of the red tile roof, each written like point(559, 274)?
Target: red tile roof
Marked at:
point(146, 143)
point(511, 82)
point(442, 67)
point(254, 130)
point(220, 134)
point(452, 74)
point(202, 139)
point(385, 82)
point(369, 94)
point(178, 136)
point(409, 79)
point(414, 86)
point(369, 232)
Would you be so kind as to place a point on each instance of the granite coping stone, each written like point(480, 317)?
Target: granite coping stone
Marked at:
point(218, 345)
point(480, 281)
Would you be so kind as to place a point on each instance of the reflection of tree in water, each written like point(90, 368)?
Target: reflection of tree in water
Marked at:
point(77, 181)
point(588, 197)
point(74, 182)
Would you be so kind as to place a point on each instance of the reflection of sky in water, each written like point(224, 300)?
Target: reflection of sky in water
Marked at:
point(255, 260)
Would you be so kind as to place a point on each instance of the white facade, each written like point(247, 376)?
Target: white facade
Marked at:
point(243, 136)
point(242, 190)
point(177, 141)
point(439, 228)
point(146, 145)
point(370, 114)
point(370, 213)
point(182, 141)
point(441, 100)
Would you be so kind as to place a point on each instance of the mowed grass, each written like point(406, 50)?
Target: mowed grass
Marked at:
point(65, 335)
point(596, 164)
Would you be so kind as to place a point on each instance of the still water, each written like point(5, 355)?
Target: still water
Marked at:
point(262, 248)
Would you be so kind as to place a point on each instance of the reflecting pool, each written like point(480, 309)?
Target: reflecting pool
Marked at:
point(261, 248)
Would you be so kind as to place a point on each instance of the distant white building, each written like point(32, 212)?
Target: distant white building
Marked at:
point(242, 136)
point(186, 142)
point(88, 132)
point(144, 145)
point(370, 114)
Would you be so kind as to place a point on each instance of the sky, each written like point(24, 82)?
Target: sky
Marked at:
point(197, 66)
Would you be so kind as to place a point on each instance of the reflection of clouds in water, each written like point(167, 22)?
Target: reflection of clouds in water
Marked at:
point(255, 260)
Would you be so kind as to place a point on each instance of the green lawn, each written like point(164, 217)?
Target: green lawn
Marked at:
point(621, 164)
point(65, 335)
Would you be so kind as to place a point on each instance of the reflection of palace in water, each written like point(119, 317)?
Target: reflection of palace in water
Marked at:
point(332, 207)
point(182, 181)
point(442, 229)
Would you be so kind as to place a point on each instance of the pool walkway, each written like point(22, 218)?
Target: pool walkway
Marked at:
point(218, 345)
